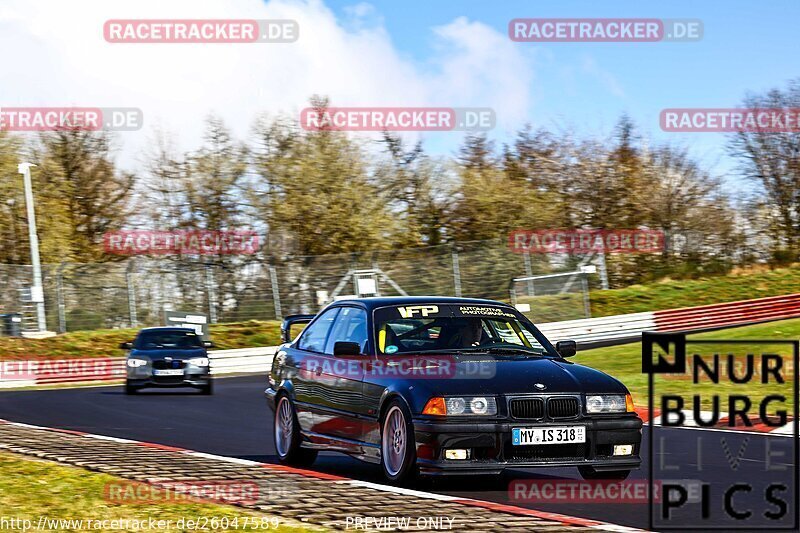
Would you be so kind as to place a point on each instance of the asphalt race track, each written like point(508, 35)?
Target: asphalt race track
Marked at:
point(236, 422)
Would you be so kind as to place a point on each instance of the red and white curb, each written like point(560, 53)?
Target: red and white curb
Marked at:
point(493, 506)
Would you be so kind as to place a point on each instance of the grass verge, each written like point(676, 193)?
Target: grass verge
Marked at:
point(30, 489)
point(671, 294)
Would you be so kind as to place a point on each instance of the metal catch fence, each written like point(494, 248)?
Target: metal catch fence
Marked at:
point(137, 291)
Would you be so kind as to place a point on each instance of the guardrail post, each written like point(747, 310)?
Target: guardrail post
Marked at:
point(276, 295)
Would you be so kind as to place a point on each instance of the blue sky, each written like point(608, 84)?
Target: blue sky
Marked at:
point(747, 46)
point(398, 53)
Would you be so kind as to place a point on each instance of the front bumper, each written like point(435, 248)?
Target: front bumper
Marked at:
point(491, 450)
point(191, 377)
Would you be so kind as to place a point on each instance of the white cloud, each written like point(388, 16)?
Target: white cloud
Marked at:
point(606, 79)
point(59, 57)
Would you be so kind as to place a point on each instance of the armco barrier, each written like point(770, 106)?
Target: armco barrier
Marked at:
point(728, 314)
point(621, 328)
point(242, 361)
point(604, 329)
point(590, 331)
point(50, 371)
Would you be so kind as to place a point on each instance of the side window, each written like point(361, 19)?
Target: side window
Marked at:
point(314, 336)
point(350, 326)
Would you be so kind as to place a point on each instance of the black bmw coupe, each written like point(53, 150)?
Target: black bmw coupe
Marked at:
point(434, 385)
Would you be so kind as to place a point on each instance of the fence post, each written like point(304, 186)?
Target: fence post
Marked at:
point(601, 256)
point(585, 285)
point(212, 295)
point(131, 294)
point(526, 258)
point(62, 315)
point(456, 273)
point(276, 295)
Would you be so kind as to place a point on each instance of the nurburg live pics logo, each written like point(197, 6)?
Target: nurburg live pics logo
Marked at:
point(738, 469)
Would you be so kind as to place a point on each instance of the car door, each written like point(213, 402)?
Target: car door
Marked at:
point(304, 358)
point(340, 378)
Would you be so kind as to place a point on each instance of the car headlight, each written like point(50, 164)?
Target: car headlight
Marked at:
point(199, 361)
point(608, 403)
point(136, 363)
point(461, 406)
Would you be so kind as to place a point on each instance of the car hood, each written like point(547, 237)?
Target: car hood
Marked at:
point(169, 352)
point(491, 374)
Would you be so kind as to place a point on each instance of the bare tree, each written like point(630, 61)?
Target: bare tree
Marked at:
point(773, 161)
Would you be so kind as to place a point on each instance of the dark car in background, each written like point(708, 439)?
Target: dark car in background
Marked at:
point(167, 357)
point(445, 386)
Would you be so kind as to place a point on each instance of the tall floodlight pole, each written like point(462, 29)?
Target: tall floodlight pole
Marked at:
point(37, 290)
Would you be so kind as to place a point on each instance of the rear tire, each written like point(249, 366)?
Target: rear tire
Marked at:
point(287, 437)
point(589, 473)
point(398, 445)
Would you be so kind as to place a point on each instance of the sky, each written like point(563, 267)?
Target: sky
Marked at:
point(391, 53)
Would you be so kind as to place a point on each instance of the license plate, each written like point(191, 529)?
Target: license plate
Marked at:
point(548, 435)
point(169, 372)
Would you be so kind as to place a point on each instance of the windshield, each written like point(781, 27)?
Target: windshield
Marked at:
point(180, 340)
point(463, 328)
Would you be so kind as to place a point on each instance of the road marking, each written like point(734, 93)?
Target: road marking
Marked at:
point(399, 490)
point(234, 460)
point(112, 439)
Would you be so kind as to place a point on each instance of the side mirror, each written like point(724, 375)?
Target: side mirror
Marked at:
point(567, 348)
point(208, 344)
point(126, 345)
point(289, 321)
point(346, 348)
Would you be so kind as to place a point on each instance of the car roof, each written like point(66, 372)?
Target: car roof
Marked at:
point(383, 301)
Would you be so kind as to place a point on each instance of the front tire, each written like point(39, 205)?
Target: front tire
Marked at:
point(207, 389)
point(398, 446)
point(589, 473)
point(287, 438)
point(130, 389)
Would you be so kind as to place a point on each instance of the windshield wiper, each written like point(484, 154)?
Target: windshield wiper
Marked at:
point(523, 350)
